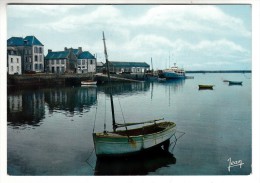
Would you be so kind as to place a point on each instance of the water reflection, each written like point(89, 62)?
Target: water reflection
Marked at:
point(126, 88)
point(140, 164)
point(25, 108)
point(28, 107)
point(71, 100)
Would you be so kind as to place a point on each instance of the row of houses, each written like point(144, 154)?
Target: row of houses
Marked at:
point(26, 55)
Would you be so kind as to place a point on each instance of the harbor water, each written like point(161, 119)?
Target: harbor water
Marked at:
point(50, 129)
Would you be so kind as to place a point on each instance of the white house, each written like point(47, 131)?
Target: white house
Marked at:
point(86, 63)
point(14, 62)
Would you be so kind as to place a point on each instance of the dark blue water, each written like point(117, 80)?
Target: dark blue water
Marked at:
point(50, 130)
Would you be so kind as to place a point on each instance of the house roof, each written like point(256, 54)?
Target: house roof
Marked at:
point(129, 64)
point(32, 40)
point(57, 55)
point(85, 55)
point(27, 41)
point(15, 41)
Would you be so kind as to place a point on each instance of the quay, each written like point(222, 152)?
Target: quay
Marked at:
point(49, 79)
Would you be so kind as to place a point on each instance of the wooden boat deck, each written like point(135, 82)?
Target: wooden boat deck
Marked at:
point(154, 128)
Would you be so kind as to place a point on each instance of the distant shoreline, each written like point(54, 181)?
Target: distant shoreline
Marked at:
point(220, 71)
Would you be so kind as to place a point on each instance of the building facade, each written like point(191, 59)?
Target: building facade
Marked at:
point(31, 51)
point(14, 62)
point(86, 63)
point(128, 67)
point(70, 61)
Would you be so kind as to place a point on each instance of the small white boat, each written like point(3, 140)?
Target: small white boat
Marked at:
point(88, 82)
point(131, 141)
point(126, 142)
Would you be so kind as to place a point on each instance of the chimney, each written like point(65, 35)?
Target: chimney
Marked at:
point(65, 49)
point(49, 50)
point(80, 49)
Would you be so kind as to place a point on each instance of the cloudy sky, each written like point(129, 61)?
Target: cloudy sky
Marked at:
point(196, 37)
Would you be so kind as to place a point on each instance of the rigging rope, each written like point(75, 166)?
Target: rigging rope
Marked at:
point(123, 119)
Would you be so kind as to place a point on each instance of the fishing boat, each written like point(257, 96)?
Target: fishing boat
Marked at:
point(131, 141)
point(88, 82)
point(235, 82)
point(205, 87)
point(173, 73)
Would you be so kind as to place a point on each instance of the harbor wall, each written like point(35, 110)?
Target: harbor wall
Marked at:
point(47, 79)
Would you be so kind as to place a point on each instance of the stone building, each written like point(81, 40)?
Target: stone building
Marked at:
point(31, 51)
point(70, 61)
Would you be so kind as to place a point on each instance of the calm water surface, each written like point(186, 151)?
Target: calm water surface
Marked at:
point(50, 130)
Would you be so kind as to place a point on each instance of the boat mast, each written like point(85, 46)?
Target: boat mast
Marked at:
point(109, 82)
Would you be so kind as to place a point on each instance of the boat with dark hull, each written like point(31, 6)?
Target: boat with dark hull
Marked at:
point(235, 82)
point(206, 87)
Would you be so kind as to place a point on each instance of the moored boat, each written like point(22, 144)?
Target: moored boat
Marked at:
point(209, 87)
point(235, 82)
point(173, 73)
point(131, 141)
point(88, 82)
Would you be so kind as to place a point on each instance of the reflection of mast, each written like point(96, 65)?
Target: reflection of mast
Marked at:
point(152, 63)
point(169, 95)
point(152, 91)
point(109, 81)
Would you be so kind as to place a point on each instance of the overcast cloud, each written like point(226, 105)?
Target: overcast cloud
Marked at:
point(194, 36)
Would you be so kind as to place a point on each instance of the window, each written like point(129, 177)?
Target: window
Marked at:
point(57, 61)
point(62, 61)
point(36, 66)
point(17, 60)
point(83, 62)
point(17, 69)
point(91, 62)
point(79, 62)
point(36, 58)
point(35, 49)
point(40, 66)
point(52, 62)
point(11, 60)
point(40, 49)
point(12, 68)
point(40, 56)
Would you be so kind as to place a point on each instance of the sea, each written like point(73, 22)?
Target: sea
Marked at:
point(50, 129)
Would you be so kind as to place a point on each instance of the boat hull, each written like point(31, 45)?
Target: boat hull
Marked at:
point(113, 144)
point(88, 82)
point(209, 87)
point(235, 82)
point(173, 75)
